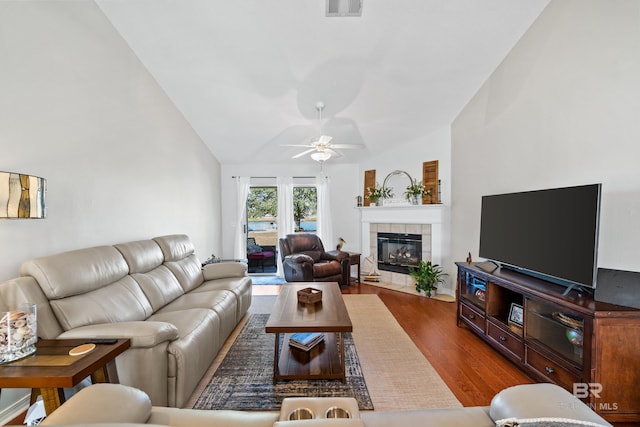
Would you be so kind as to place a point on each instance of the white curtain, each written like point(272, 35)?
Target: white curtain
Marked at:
point(325, 226)
point(240, 245)
point(285, 213)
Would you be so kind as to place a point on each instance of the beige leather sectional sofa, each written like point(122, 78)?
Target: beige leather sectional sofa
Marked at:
point(541, 405)
point(155, 292)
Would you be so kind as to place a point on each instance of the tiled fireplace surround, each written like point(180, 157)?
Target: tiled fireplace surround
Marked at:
point(425, 220)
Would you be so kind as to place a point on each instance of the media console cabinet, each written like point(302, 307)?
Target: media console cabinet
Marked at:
point(590, 348)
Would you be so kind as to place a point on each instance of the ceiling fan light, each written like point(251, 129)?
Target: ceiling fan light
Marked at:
point(320, 156)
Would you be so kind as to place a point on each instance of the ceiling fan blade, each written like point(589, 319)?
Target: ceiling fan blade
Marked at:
point(305, 152)
point(323, 140)
point(297, 145)
point(347, 146)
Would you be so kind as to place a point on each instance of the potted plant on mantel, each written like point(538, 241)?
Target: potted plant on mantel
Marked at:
point(376, 193)
point(427, 276)
point(414, 192)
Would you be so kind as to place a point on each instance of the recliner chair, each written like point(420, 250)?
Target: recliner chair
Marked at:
point(305, 260)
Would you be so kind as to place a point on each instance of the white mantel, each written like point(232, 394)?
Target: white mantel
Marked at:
point(405, 214)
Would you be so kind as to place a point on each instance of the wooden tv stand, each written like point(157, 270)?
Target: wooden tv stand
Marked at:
point(590, 348)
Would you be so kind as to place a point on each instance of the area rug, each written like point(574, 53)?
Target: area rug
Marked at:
point(397, 374)
point(267, 280)
point(243, 380)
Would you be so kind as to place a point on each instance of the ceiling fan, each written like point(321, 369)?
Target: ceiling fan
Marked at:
point(321, 148)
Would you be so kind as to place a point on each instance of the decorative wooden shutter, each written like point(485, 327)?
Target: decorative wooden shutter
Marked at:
point(430, 181)
point(369, 182)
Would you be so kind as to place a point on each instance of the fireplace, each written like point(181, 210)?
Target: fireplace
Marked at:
point(425, 220)
point(399, 251)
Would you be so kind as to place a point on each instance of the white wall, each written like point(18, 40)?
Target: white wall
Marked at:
point(409, 156)
point(562, 109)
point(79, 109)
point(343, 190)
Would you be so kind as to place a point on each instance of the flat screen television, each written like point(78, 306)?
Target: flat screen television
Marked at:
point(551, 234)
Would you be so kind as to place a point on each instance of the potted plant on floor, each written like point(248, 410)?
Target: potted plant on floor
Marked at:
point(427, 276)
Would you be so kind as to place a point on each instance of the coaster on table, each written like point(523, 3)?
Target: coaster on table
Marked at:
point(81, 349)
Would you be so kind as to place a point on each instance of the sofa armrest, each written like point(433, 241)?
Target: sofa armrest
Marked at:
point(142, 333)
point(298, 258)
point(221, 270)
point(541, 400)
point(334, 255)
point(103, 403)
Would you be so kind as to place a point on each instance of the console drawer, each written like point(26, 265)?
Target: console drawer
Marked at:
point(472, 317)
point(551, 370)
point(505, 339)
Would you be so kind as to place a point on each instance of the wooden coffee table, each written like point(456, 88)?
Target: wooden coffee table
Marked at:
point(50, 369)
point(324, 361)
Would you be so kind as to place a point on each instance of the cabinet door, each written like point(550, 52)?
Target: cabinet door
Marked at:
point(616, 390)
point(564, 333)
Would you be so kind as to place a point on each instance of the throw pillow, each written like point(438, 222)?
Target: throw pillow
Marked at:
point(252, 249)
point(545, 422)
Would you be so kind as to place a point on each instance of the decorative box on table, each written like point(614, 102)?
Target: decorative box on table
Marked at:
point(309, 295)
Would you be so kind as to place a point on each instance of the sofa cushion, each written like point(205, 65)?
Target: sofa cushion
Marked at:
point(159, 285)
point(224, 303)
point(326, 269)
point(179, 257)
point(76, 272)
point(121, 301)
point(240, 286)
point(145, 260)
point(188, 272)
point(175, 247)
point(141, 256)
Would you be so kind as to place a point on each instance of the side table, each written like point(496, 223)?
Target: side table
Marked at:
point(354, 259)
point(50, 369)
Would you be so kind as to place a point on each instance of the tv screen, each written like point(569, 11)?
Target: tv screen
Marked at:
point(551, 233)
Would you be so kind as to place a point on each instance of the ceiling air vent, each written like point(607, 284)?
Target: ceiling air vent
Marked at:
point(344, 8)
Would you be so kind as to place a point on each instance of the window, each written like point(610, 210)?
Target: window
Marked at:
point(262, 215)
point(305, 209)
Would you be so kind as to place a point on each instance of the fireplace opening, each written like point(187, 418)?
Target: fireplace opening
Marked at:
point(399, 251)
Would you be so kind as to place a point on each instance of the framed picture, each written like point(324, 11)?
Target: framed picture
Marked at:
point(515, 314)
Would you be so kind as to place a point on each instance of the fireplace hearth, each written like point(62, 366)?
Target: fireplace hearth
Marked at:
point(399, 251)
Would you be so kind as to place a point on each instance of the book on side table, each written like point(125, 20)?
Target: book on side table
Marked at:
point(305, 340)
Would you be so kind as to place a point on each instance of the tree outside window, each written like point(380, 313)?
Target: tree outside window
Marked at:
point(262, 215)
point(305, 209)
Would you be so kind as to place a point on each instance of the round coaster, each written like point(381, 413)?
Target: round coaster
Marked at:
point(81, 349)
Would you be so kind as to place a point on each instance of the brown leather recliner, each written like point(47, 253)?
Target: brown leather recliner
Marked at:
point(305, 260)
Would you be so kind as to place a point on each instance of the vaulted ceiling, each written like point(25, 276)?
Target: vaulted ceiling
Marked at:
point(247, 74)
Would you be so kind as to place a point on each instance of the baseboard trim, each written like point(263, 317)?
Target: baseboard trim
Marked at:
point(14, 409)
